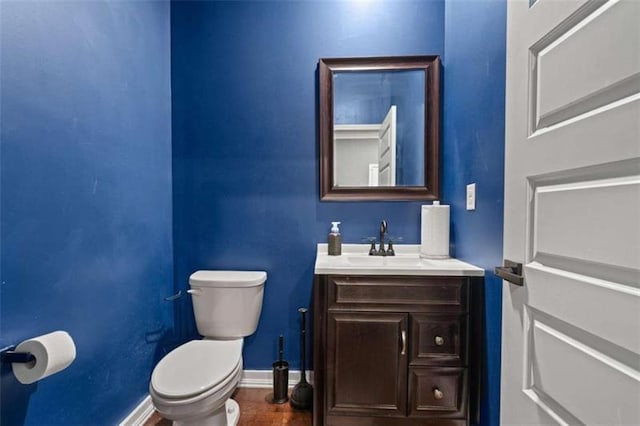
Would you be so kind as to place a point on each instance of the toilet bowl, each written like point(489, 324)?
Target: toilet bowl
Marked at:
point(193, 384)
point(195, 380)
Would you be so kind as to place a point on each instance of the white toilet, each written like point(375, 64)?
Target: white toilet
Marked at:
point(193, 384)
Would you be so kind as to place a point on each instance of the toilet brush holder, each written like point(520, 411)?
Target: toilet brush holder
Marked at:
point(280, 376)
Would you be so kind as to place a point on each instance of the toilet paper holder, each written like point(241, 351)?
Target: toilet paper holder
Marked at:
point(9, 355)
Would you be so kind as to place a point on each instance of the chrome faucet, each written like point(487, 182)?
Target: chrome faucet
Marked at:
point(381, 251)
point(383, 231)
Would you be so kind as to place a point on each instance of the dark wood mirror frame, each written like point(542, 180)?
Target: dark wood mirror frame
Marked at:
point(430, 190)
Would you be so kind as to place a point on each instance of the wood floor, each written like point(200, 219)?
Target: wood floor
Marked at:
point(256, 410)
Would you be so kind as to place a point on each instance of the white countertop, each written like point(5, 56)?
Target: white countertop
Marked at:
point(355, 260)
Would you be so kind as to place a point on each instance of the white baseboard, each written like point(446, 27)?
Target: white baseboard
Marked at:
point(140, 414)
point(249, 379)
point(264, 378)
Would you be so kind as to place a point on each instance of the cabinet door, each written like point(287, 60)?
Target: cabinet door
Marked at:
point(367, 364)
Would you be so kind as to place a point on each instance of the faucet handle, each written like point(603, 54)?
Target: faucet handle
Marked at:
point(390, 250)
point(372, 249)
point(372, 241)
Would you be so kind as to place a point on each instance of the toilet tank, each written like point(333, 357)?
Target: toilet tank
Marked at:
point(227, 304)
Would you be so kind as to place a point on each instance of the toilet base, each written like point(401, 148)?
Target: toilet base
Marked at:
point(227, 415)
point(233, 412)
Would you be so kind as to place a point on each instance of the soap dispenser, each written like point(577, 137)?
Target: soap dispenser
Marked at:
point(335, 240)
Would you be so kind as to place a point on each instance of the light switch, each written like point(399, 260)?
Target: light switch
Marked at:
point(471, 196)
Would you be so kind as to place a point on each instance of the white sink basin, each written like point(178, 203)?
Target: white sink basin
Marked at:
point(355, 260)
point(389, 261)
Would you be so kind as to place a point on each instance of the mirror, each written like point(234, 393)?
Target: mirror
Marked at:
point(379, 128)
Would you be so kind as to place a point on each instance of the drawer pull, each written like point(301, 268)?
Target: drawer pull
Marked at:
point(437, 393)
point(439, 340)
point(403, 335)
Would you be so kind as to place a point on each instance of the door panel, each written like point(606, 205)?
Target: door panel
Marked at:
point(576, 372)
point(588, 210)
point(578, 299)
point(571, 334)
point(571, 65)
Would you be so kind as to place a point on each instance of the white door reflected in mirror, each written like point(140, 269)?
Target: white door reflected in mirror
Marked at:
point(387, 149)
point(366, 153)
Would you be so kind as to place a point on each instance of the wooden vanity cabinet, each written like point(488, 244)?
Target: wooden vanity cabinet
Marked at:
point(396, 350)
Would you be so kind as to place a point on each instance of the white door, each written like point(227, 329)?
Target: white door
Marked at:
point(571, 333)
point(355, 147)
point(387, 149)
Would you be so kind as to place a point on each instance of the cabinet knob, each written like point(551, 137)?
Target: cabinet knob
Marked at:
point(439, 340)
point(437, 393)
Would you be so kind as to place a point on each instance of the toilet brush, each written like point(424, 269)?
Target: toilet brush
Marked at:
point(280, 376)
point(302, 393)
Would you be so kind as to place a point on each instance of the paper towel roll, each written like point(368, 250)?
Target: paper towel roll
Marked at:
point(435, 231)
point(53, 352)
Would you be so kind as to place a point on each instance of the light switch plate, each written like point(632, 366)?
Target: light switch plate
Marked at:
point(471, 196)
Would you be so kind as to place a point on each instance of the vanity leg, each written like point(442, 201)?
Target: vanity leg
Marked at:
point(476, 348)
point(319, 339)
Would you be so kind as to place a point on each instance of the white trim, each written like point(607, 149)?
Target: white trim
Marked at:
point(140, 414)
point(249, 379)
point(350, 132)
point(264, 378)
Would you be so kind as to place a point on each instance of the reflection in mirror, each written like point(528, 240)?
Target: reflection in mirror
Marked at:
point(378, 128)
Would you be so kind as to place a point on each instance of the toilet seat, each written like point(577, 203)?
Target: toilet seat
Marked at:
point(195, 368)
point(214, 394)
point(198, 406)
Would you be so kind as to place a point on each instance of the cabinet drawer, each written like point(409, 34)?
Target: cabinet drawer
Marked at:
point(438, 294)
point(438, 392)
point(439, 339)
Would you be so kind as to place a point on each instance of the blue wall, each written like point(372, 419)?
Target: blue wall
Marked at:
point(86, 201)
point(246, 189)
point(411, 133)
point(473, 151)
point(362, 97)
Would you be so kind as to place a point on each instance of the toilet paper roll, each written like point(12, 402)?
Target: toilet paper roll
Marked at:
point(435, 231)
point(53, 352)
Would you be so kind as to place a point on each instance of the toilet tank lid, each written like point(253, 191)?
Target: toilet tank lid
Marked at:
point(227, 278)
